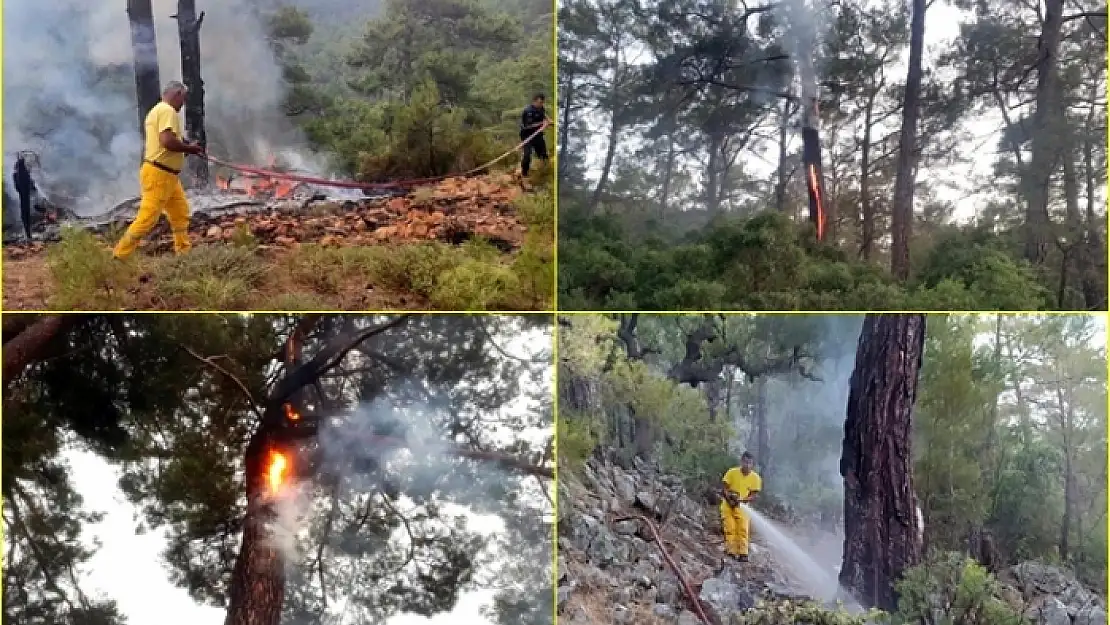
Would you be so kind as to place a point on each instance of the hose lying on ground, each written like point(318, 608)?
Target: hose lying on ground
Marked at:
point(686, 587)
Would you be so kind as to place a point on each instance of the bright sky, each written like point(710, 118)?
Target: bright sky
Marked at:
point(942, 26)
point(129, 567)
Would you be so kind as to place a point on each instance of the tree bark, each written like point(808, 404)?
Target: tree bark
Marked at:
point(145, 49)
point(188, 28)
point(31, 341)
point(1038, 177)
point(763, 434)
point(614, 132)
point(902, 222)
point(258, 579)
point(867, 245)
point(881, 531)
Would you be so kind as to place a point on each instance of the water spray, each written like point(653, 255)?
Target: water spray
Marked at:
point(816, 581)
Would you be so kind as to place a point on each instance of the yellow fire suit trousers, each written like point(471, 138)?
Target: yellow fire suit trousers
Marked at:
point(736, 527)
point(161, 193)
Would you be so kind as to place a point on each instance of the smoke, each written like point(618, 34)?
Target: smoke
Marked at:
point(397, 456)
point(69, 90)
point(806, 423)
point(801, 18)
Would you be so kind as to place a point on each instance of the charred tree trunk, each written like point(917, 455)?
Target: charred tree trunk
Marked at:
point(902, 209)
point(145, 48)
point(188, 28)
point(881, 531)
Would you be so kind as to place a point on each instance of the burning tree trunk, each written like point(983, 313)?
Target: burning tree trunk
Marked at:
point(902, 209)
point(811, 158)
point(258, 580)
point(188, 28)
point(145, 49)
point(257, 589)
point(881, 529)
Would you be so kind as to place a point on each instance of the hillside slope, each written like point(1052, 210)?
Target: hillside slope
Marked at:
point(612, 570)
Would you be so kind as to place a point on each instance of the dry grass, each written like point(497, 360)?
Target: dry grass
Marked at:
point(593, 605)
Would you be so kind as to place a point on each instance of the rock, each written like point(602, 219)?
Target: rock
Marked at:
point(625, 488)
point(626, 528)
point(1091, 615)
point(215, 232)
point(687, 617)
point(1049, 612)
point(563, 594)
point(286, 241)
point(663, 611)
point(647, 500)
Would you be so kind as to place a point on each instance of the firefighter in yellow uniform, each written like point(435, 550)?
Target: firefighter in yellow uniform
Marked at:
point(739, 485)
point(163, 159)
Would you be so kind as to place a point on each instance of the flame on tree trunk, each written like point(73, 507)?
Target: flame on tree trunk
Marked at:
point(145, 49)
point(188, 29)
point(811, 158)
point(258, 580)
point(881, 534)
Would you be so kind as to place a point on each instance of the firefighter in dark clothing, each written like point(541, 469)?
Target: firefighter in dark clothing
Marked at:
point(25, 187)
point(532, 120)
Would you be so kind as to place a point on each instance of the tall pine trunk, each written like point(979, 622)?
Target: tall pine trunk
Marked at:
point(881, 530)
point(902, 222)
point(1038, 177)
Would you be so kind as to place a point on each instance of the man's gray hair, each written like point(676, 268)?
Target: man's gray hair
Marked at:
point(174, 86)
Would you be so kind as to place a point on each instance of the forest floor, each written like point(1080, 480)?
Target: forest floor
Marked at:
point(403, 252)
point(611, 570)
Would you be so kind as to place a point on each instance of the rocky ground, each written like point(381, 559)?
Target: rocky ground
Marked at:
point(611, 570)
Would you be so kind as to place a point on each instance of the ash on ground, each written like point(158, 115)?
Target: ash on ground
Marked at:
point(453, 211)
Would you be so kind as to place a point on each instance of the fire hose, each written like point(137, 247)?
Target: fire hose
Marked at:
point(686, 587)
point(350, 184)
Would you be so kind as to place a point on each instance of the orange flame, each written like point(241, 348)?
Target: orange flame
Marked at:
point(291, 413)
point(813, 184)
point(283, 189)
point(279, 466)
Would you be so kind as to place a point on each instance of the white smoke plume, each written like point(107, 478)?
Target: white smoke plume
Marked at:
point(801, 18)
point(382, 449)
point(69, 91)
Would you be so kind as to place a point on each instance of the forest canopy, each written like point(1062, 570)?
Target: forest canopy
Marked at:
point(962, 152)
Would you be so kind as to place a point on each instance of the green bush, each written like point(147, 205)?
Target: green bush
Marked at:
point(951, 589)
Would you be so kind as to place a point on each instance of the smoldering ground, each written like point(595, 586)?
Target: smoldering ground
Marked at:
point(69, 91)
point(394, 488)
